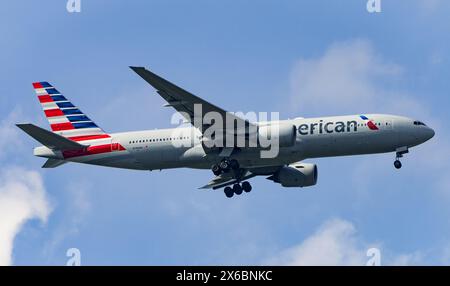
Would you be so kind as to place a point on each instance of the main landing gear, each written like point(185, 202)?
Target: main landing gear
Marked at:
point(237, 189)
point(399, 154)
point(225, 166)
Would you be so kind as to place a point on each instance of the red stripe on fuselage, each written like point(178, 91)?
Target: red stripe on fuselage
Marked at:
point(91, 150)
point(62, 126)
point(53, 112)
point(45, 98)
point(89, 137)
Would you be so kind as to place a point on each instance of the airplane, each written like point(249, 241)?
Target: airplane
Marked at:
point(74, 137)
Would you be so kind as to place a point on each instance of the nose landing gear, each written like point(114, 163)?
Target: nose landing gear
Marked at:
point(399, 154)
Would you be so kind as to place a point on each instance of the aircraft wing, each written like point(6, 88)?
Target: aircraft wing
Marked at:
point(182, 100)
point(226, 179)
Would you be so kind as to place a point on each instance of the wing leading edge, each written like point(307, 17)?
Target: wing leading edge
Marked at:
point(182, 100)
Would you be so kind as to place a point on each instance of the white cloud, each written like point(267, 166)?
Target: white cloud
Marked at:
point(344, 80)
point(78, 208)
point(337, 243)
point(9, 133)
point(334, 243)
point(352, 78)
point(415, 258)
point(22, 192)
point(22, 197)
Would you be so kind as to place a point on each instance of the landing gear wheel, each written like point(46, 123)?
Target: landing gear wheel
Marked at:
point(397, 164)
point(246, 187)
point(237, 189)
point(216, 170)
point(399, 154)
point(228, 192)
point(224, 165)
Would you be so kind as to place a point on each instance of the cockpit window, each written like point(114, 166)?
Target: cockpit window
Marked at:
point(419, 123)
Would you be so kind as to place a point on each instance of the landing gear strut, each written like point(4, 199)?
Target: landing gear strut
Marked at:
point(216, 170)
point(237, 189)
point(224, 166)
point(399, 154)
point(227, 165)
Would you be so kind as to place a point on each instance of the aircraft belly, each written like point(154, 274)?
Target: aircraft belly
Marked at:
point(350, 144)
point(254, 158)
point(121, 159)
point(162, 157)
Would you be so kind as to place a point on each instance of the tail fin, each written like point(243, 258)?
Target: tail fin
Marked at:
point(66, 119)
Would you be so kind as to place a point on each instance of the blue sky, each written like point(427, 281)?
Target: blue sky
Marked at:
point(300, 58)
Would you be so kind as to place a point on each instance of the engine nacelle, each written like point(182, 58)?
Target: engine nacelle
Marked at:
point(286, 133)
point(296, 175)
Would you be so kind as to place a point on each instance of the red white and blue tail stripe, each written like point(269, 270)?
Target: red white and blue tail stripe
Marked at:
point(65, 118)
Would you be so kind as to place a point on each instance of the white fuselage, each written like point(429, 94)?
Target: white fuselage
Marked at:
point(315, 137)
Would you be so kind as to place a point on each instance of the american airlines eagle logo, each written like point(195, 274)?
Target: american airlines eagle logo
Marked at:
point(370, 123)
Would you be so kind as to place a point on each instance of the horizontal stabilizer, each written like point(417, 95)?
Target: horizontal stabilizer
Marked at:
point(50, 139)
point(53, 163)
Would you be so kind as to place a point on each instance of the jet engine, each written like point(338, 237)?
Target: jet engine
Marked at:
point(285, 133)
point(296, 175)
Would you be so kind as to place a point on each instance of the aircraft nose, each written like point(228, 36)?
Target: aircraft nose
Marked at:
point(426, 134)
point(430, 133)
